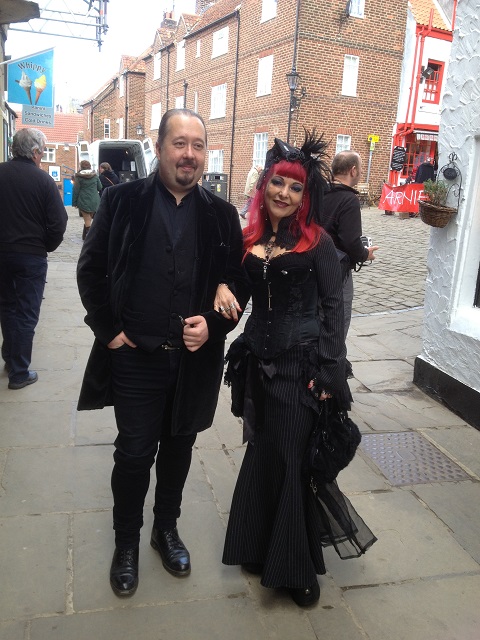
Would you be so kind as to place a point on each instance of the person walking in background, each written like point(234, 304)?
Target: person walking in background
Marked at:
point(86, 194)
point(250, 185)
point(147, 275)
point(32, 223)
point(293, 341)
point(107, 176)
point(342, 219)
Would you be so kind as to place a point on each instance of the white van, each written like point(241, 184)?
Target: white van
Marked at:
point(129, 159)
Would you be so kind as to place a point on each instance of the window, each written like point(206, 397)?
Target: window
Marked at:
point(265, 72)
point(106, 128)
point(215, 161)
point(350, 75)
point(218, 102)
point(49, 154)
point(197, 55)
point(220, 42)
point(269, 9)
point(181, 55)
point(344, 143)
point(156, 115)
point(260, 146)
point(121, 133)
point(179, 102)
point(195, 101)
point(89, 119)
point(157, 66)
point(433, 84)
point(357, 8)
point(121, 86)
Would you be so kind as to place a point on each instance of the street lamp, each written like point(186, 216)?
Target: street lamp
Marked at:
point(293, 80)
point(139, 130)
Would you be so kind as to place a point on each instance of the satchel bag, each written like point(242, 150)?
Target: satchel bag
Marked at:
point(333, 443)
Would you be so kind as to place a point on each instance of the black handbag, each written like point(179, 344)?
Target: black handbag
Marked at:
point(333, 443)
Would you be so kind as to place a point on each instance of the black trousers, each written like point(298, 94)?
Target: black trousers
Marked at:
point(144, 387)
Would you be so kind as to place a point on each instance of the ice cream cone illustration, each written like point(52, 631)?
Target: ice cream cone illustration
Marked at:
point(26, 84)
point(40, 84)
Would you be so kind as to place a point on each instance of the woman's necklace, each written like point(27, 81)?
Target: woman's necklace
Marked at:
point(268, 248)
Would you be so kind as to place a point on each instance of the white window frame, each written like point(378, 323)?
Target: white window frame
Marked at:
point(49, 154)
point(269, 10)
point(357, 8)
point(89, 118)
point(351, 65)
point(156, 115)
point(220, 42)
point(218, 101)
point(260, 147)
point(179, 102)
point(180, 56)
point(121, 86)
point(157, 66)
point(199, 45)
point(121, 131)
point(215, 161)
point(265, 74)
point(344, 143)
point(106, 129)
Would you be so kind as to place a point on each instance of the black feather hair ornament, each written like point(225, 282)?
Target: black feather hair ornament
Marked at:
point(312, 155)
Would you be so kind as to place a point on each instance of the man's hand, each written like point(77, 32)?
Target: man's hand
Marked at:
point(195, 332)
point(370, 253)
point(120, 340)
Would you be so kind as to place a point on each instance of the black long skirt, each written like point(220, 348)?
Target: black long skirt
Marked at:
point(275, 519)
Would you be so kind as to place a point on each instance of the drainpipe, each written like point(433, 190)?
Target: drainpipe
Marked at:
point(125, 85)
point(237, 54)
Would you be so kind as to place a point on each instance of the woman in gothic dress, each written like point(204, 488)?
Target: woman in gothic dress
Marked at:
point(292, 341)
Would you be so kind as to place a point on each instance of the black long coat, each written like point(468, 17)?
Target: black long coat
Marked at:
point(106, 267)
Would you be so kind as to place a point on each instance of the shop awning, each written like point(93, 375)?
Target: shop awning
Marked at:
point(426, 135)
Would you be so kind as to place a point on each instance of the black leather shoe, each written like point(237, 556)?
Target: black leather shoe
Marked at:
point(306, 597)
point(174, 554)
point(32, 377)
point(124, 572)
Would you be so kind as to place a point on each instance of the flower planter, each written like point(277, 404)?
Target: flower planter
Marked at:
point(435, 215)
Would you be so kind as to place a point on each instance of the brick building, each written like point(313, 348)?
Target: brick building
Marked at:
point(61, 159)
point(230, 63)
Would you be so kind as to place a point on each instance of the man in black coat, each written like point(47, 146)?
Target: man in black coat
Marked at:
point(342, 218)
point(147, 274)
point(32, 223)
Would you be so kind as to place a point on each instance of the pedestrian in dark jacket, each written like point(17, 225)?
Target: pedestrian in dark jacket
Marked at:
point(86, 194)
point(107, 176)
point(148, 274)
point(32, 223)
point(342, 218)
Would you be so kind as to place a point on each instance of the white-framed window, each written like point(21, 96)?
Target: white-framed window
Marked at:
point(156, 115)
point(215, 161)
point(179, 102)
point(344, 143)
point(106, 128)
point(195, 101)
point(350, 75)
point(220, 42)
point(89, 119)
point(181, 55)
point(357, 8)
point(218, 101)
point(269, 9)
point(199, 43)
point(157, 66)
point(265, 73)
point(49, 154)
point(121, 132)
point(121, 86)
point(260, 146)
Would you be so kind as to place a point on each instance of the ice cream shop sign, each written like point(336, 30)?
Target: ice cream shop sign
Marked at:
point(30, 83)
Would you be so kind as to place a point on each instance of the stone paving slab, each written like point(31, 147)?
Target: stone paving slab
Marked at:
point(38, 424)
point(385, 375)
point(462, 442)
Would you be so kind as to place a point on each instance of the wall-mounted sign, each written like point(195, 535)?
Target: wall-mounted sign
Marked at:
point(398, 158)
point(54, 171)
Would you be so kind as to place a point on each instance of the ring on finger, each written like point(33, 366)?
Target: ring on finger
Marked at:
point(232, 306)
point(221, 309)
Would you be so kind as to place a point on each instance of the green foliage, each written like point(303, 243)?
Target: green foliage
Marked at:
point(436, 192)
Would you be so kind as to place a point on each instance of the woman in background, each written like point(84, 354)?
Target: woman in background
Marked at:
point(107, 176)
point(86, 194)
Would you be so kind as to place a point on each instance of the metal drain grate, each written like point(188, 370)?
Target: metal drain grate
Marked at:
point(408, 458)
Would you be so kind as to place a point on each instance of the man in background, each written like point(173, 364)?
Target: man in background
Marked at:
point(250, 184)
point(32, 223)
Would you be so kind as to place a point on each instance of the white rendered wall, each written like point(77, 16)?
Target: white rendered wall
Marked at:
point(451, 340)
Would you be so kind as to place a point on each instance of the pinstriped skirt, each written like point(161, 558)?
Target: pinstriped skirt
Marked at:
point(271, 519)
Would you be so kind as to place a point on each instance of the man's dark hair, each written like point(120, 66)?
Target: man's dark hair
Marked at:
point(163, 128)
point(344, 161)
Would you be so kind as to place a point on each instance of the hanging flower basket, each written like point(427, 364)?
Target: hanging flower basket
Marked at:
point(435, 215)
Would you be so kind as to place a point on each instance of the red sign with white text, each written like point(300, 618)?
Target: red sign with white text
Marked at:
point(403, 198)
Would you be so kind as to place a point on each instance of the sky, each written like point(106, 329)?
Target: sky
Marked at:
point(79, 68)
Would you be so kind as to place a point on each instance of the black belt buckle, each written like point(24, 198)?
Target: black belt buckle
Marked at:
point(166, 346)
